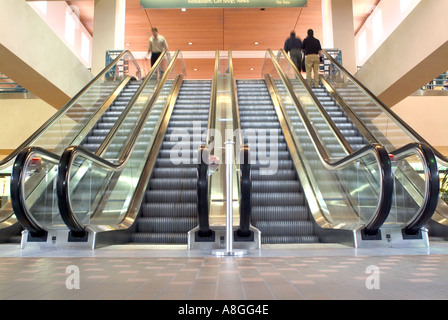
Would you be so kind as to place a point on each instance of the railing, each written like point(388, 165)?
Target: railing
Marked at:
point(71, 122)
point(32, 185)
point(343, 203)
point(8, 85)
point(374, 119)
point(439, 83)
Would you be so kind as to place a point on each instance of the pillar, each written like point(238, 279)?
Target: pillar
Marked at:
point(339, 33)
point(108, 30)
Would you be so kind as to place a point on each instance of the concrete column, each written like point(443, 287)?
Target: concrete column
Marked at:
point(108, 30)
point(339, 30)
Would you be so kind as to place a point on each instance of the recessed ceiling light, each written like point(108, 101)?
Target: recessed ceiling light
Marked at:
point(195, 69)
point(190, 43)
point(251, 69)
point(256, 42)
point(127, 44)
point(183, 9)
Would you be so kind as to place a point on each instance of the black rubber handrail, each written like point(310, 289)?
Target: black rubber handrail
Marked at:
point(18, 194)
point(203, 190)
point(431, 196)
point(246, 194)
point(245, 179)
point(203, 194)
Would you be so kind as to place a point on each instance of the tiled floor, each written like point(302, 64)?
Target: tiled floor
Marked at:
point(273, 273)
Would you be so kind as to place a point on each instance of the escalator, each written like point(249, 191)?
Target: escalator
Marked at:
point(69, 125)
point(362, 119)
point(108, 132)
point(170, 208)
point(279, 208)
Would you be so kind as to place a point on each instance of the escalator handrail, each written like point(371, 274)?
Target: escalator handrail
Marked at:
point(70, 153)
point(10, 158)
point(431, 196)
point(430, 157)
point(379, 152)
point(243, 163)
point(401, 123)
point(17, 193)
point(212, 111)
point(202, 183)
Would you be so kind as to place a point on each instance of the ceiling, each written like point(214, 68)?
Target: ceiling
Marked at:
point(199, 32)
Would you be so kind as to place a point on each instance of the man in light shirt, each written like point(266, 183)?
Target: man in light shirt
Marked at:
point(157, 44)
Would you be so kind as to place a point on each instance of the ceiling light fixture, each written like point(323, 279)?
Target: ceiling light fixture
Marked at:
point(190, 43)
point(183, 9)
point(256, 42)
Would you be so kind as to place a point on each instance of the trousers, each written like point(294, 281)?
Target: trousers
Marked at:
point(312, 63)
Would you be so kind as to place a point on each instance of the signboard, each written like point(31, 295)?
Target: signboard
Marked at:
point(178, 4)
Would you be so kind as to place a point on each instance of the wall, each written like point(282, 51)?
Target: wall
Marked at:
point(384, 19)
point(55, 14)
point(428, 115)
point(20, 119)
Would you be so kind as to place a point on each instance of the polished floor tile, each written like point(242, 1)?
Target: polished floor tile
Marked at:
point(305, 272)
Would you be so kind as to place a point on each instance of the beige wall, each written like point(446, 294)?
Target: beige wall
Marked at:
point(413, 55)
point(19, 119)
point(36, 58)
point(428, 116)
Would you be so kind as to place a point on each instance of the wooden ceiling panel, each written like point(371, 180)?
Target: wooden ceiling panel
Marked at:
point(231, 28)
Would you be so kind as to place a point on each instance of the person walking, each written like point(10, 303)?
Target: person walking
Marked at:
point(313, 51)
point(157, 44)
point(293, 46)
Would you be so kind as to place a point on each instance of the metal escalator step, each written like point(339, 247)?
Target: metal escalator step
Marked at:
point(171, 196)
point(278, 199)
point(166, 224)
point(285, 228)
point(174, 183)
point(275, 186)
point(276, 213)
point(266, 239)
point(175, 172)
point(187, 209)
point(160, 238)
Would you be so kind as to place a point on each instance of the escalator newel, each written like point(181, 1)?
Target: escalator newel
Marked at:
point(204, 233)
point(244, 233)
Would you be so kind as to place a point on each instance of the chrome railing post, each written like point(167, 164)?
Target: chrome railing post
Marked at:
point(229, 150)
point(229, 146)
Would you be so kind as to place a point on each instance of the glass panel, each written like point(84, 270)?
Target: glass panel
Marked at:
point(381, 125)
point(39, 185)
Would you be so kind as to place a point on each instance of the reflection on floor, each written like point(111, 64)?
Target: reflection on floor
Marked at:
point(273, 273)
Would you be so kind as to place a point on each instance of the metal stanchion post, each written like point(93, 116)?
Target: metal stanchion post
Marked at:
point(229, 147)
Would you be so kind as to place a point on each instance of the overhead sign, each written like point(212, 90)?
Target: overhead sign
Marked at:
point(177, 4)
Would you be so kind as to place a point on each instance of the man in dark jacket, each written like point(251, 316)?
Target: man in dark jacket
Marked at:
point(312, 50)
point(293, 46)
